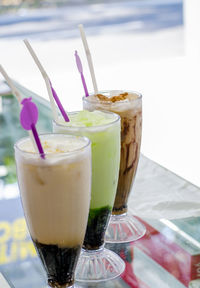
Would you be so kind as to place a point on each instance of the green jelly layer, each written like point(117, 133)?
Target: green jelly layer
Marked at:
point(96, 227)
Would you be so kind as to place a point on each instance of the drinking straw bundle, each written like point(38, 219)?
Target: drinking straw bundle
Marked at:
point(29, 111)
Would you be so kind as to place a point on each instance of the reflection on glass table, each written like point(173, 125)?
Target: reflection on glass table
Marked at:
point(168, 256)
point(4, 283)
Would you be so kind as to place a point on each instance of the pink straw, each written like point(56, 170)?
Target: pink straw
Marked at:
point(28, 120)
point(62, 110)
point(80, 69)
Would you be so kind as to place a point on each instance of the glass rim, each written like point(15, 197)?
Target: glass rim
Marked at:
point(68, 153)
point(90, 128)
point(85, 98)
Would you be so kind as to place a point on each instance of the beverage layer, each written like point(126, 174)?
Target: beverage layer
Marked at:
point(56, 194)
point(129, 107)
point(59, 263)
point(131, 129)
point(96, 227)
point(103, 130)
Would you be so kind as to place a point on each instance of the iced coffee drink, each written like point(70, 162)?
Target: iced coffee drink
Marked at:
point(55, 194)
point(129, 106)
point(103, 129)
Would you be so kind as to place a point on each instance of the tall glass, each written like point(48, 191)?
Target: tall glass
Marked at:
point(55, 194)
point(97, 263)
point(123, 227)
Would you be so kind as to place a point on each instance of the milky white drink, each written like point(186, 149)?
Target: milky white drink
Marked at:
point(55, 194)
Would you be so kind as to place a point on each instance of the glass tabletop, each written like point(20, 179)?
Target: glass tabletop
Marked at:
point(168, 256)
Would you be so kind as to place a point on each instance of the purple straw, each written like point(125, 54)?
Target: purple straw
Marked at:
point(28, 120)
point(37, 140)
point(62, 110)
point(80, 69)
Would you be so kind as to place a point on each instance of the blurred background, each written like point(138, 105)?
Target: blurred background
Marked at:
point(151, 46)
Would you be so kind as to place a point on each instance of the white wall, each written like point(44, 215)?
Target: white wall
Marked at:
point(192, 27)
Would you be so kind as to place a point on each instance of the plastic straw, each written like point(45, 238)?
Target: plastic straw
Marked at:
point(28, 120)
point(19, 98)
point(45, 76)
point(80, 69)
point(10, 83)
point(89, 57)
point(62, 110)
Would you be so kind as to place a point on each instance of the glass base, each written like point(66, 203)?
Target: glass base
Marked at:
point(124, 228)
point(98, 265)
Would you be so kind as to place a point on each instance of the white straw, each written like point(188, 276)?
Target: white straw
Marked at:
point(45, 76)
point(10, 83)
point(55, 115)
point(19, 98)
point(37, 61)
point(89, 57)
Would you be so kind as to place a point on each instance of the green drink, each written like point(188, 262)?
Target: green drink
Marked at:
point(103, 129)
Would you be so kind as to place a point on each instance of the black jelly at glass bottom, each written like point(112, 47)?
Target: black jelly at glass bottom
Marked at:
point(59, 263)
point(96, 227)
